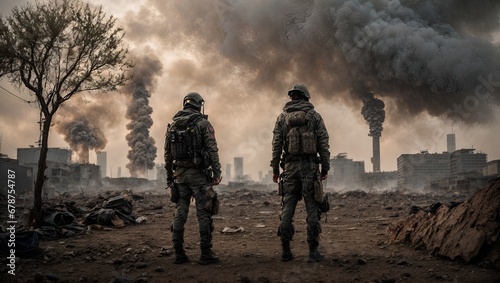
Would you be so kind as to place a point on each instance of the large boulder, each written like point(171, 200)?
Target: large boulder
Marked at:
point(469, 231)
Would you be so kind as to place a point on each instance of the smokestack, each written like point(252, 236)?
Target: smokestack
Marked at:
point(376, 154)
point(84, 154)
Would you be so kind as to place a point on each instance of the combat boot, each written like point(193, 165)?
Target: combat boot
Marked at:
point(314, 254)
point(180, 254)
point(178, 240)
point(287, 252)
point(207, 256)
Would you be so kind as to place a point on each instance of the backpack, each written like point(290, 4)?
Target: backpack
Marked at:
point(184, 140)
point(300, 139)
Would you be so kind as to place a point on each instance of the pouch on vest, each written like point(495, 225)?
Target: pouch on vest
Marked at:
point(180, 144)
point(296, 118)
point(324, 206)
point(294, 143)
point(212, 203)
point(309, 143)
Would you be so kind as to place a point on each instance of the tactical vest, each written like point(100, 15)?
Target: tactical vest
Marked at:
point(185, 141)
point(300, 139)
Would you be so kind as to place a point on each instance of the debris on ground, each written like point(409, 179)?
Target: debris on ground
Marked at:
point(467, 231)
point(232, 230)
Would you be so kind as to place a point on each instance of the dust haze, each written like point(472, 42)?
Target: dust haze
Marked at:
point(434, 64)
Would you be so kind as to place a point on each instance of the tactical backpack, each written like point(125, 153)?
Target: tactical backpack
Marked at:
point(300, 139)
point(184, 140)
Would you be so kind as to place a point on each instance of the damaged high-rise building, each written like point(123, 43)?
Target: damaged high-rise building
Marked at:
point(421, 170)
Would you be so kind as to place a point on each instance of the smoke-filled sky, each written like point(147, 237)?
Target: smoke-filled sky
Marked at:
point(434, 63)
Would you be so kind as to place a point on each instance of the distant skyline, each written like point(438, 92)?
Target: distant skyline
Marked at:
point(244, 56)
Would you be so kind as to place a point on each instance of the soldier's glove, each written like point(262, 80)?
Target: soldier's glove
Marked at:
point(275, 178)
point(324, 175)
point(216, 181)
point(170, 182)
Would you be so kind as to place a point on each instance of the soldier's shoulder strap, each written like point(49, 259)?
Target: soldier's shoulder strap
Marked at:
point(196, 118)
point(310, 118)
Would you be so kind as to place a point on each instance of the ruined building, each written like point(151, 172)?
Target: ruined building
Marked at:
point(426, 170)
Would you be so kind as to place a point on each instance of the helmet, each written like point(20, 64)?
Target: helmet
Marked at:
point(194, 99)
point(300, 88)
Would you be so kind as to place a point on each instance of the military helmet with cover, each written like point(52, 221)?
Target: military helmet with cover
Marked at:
point(194, 99)
point(300, 88)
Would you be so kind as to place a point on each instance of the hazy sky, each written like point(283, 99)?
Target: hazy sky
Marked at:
point(434, 64)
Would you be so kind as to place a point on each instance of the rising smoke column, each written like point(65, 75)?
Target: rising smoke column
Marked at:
point(82, 122)
point(82, 136)
point(374, 113)
point(142, 151)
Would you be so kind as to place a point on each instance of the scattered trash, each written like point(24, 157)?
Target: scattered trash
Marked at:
point(141, 219)
point(260, 225)
point(232, 230)
point(165, 251)
point(26, 243)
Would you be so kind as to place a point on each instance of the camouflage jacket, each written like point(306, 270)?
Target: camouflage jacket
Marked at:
point(316, 124)
point(208, 142)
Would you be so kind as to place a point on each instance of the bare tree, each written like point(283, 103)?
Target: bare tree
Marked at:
point(57, 49)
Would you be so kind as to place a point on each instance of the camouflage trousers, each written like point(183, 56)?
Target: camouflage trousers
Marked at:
point(192, 183)
point(298, 182)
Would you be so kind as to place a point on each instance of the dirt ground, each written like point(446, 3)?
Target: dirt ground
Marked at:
point(354, 242)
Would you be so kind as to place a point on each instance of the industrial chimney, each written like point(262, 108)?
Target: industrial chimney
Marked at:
point(84, 154)
point(374, 113)
point(376, 154)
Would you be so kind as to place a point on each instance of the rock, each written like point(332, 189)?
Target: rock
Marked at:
point(159, 269)
point(52, 277)
point(402, 262)
point(142, 279)
point(361, 261)
point(141, 265)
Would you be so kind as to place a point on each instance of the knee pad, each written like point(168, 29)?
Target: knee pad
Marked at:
point(314, 228)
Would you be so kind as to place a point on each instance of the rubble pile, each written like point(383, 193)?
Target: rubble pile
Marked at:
point(467, 231)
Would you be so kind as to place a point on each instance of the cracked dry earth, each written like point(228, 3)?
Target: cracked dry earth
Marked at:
point(354, 242)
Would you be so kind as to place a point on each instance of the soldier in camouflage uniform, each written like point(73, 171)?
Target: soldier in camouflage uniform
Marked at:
point(301, 168)
point(191, 176)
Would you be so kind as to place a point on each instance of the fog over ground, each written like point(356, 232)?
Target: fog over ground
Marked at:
point(434, 64)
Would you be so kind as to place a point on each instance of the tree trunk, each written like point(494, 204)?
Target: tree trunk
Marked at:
point(40, 177)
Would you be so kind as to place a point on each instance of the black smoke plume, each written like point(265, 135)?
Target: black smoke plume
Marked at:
point(142, 151)
point(82, 136)
point(432, 56)
point(374, 113)
point(82, 123)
